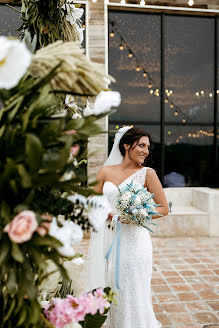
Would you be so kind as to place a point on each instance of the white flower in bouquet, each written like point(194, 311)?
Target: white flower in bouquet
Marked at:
point(126, 197)
point(73, 13)
point(15, 59)
point(99, 211)
point(69, 235)
point(138, 200)
point(104, 101)
point(143, 212)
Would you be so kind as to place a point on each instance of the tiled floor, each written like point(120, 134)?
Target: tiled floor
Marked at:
point(185, 282)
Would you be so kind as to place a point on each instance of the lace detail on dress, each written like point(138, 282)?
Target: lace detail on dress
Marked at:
point(134, 309)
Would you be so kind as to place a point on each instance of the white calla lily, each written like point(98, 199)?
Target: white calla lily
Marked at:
point(15, 59)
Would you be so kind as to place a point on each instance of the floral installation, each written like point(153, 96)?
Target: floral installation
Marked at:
point(40, 143)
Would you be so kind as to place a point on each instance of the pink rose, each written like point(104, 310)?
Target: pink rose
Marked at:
point(22, 227)
point(74, 150)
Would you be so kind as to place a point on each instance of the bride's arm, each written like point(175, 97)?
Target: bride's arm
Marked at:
point(100, 181)
point(154, 186)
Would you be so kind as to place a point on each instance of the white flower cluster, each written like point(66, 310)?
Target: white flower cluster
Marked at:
point(69, 235)
point(136, 205)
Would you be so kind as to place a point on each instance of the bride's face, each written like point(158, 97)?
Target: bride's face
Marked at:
point(140, 150)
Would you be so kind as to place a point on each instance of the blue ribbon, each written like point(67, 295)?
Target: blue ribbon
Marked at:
point(117, 241)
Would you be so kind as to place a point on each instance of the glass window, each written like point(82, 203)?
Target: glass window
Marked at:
point(189, 69)
point(188, 151)
point(134, 61)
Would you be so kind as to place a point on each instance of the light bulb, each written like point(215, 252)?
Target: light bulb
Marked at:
point(191, 3)
point(169, 132)
point(197, 94)
point(171, 105)
point(138, 69)
point(130, 55)
point(183, 120)
point(142, 3)
point(94, 0)
point(151, 92)
point(122, 2)
point(176, 113)
point(202, 92)
point(177, 140)
point(210, 95)
point(112, 34)
point(149, 85)
point(166, 100)
point(144, 74)
point(121, 47)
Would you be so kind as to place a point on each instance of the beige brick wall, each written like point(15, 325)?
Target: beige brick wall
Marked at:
point(97, 34)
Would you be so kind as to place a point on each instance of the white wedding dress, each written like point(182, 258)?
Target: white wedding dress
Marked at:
point(134, 308)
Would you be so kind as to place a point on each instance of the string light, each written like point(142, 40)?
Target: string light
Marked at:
point(217, 91)
point(176, 113)
point(183, 120)
point(142, 3)
point(191, 3)
point(197, 94)
point(122, 2)
point(177, 140)
point(169, 132)
point(121, 47)
point(171, 105)
point(166, 100)
point(138, 69)
point(144, 74)
point(149, 85)
point(117, 127)
point(151, 92)
point(202, 92)
point(112, 34)
point(210, 95)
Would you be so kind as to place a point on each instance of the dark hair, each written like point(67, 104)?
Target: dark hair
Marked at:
point(130, 137)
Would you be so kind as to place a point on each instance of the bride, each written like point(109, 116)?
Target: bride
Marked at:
point(126, 163)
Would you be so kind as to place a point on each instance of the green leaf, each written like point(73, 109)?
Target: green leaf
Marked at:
point(45, 241)
point(12, 306)
point(12, 281)
point(22, 316)
point(25, 177)
point(4, 251)
point(33, 150)
point(35, 311)
point(92, 321)
point(16, 253)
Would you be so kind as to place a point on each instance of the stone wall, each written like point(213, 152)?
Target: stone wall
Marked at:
point(97, 40)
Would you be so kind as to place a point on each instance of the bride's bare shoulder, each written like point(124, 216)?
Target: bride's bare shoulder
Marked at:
point(107, 171)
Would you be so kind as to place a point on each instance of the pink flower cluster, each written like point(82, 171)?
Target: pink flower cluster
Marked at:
point(74, 309)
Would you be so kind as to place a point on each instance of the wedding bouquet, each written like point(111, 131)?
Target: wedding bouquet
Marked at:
point(135, 205)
